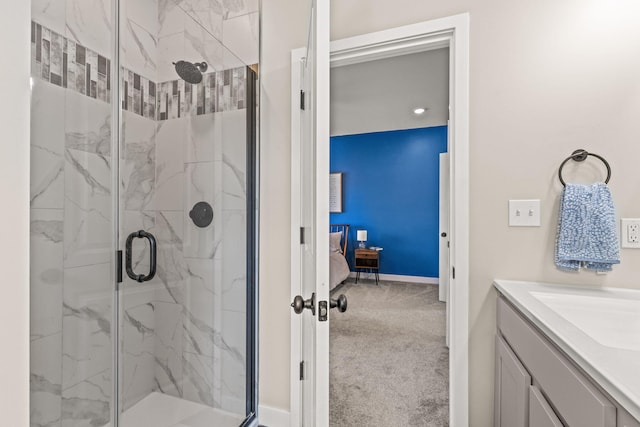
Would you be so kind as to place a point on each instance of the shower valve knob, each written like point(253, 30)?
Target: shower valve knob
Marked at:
point(201, 214)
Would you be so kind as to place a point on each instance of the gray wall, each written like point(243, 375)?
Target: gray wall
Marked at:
point(14, 187)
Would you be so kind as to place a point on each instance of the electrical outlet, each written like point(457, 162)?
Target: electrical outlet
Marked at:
point(630, 232)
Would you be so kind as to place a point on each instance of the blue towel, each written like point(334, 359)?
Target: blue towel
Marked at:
point(587, 233)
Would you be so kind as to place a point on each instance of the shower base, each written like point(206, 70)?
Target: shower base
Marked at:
point(161, 410)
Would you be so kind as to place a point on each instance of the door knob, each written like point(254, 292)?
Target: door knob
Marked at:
point(341, 303)
point(443, 234)
point(299, 304)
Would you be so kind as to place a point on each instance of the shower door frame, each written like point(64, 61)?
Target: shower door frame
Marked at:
point(116, 137)
point(253, 241)
point(252, 236)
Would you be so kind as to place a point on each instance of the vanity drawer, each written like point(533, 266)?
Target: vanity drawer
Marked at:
point(574, 398)
point(540, 413)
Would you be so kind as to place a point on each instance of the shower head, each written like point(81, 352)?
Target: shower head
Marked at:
point(190, 72)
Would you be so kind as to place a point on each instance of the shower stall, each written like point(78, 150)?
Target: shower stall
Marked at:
point(144, 213)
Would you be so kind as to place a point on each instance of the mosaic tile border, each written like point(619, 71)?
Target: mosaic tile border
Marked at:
point(219, 91)
point(65, 63)
point(62, 62)
point(138, 94)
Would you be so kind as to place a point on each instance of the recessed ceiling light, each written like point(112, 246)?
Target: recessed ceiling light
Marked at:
point(419, 111)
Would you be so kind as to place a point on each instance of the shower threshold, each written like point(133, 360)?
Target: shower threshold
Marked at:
point(161, 410)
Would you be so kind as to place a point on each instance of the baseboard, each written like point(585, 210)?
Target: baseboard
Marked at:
point(273, 417)
point(399, 278)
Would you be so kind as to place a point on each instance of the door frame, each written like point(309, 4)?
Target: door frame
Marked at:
point(452, 32)
point(295, 414)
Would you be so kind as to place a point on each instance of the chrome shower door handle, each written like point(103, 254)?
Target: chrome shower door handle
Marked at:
point(152, 256)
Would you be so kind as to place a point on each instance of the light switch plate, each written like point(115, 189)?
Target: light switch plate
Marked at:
point(630, 233)
point(524, 213)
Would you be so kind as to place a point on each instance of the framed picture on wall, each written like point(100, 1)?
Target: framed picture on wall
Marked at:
point(335, 192)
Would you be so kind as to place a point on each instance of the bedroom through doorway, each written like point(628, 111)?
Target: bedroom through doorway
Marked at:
point(389, 138)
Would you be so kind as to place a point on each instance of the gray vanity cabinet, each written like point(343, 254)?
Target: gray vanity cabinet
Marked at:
point(517, 402)
point(512, 388)
point(530, 368)
point(626, 420)
point(540, 412)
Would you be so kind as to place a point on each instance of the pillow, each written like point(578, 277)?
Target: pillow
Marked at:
point(334, 242)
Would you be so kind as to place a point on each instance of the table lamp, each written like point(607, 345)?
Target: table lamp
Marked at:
point(361, 236)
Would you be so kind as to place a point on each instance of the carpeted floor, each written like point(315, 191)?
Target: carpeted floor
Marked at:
point(389, 362)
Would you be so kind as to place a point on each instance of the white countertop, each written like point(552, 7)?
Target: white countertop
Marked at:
point(599, 328)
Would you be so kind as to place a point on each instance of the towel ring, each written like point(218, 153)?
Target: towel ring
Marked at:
point(579, 156)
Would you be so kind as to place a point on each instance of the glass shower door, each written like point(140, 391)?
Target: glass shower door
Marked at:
point(72, 216)
point(135, 148)
point(184, 184)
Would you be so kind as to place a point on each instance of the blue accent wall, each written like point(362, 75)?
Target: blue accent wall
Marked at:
point(390, 187)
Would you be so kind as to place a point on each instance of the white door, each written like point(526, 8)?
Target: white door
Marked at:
point(444, 261)
point(443, 274)
point(313, 299)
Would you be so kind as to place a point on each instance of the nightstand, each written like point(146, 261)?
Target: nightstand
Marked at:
point(367, 259)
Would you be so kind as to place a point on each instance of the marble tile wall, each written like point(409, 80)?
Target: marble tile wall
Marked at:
point(234, 279)
point(138, 329)
point(241, 34)
point(183, 332)
point(87, 181)
point(46, 316)
point(88, 23)
point(194, 309)
point(47, 146)
point(86, 345)
point(87, 276)
point(234, 22)
point(71, 284)
point(137, 324)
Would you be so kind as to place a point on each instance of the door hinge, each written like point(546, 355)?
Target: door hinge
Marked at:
point(302, 235)
point(302, 370)
point(302, 100)
point(119, 266)
point(453, 272)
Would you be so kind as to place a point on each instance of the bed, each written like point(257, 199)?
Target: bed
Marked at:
point(338, 266)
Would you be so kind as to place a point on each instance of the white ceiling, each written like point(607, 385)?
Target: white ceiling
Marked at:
point(381, 95)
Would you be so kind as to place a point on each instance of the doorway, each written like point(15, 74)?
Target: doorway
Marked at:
point(388, 353)
point(449, 32)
